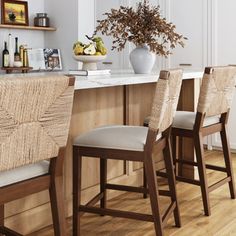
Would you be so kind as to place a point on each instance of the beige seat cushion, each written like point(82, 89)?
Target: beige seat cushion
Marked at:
point(122, 137)
point(23, 173)
point(186, 120)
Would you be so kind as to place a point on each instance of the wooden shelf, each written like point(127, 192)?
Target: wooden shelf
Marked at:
point(22, 27)
point(22, 69)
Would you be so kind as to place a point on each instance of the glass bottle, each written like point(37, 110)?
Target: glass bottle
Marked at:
point(5, 56)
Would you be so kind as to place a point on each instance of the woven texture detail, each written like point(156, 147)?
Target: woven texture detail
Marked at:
point(217, 91)
point(34, 119)
point(165, 99)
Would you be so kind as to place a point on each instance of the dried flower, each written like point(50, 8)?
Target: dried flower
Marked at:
point(143, 25)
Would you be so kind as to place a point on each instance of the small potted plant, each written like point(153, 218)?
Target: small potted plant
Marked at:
point(144, 27)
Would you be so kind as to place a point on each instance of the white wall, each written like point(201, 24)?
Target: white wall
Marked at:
point(33, 39)
point(64, 16)
point(73, 19)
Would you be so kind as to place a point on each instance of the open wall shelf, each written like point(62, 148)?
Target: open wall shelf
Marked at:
point(27, 27)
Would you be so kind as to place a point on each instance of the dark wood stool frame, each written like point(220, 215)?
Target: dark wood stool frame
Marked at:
point(197, 134)
point(53, 181)
point(145, 156)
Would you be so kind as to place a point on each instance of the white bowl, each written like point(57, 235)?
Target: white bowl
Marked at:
point(89, 62)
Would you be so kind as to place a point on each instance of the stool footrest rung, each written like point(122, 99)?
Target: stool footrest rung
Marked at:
point(208, 166)
point(219, 183)
point(217, 168)
point(126, 188)
point(116, 213)
point(189, 181)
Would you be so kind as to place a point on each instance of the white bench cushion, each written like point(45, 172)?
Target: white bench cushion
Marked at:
point(23, 173)
point(186, 120)
point(115, 137)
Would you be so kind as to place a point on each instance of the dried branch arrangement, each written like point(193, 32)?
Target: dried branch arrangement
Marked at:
point(143, 25)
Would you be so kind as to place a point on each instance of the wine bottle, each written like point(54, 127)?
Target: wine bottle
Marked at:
point(16, 54)
point(11, 51)
point(5, 56)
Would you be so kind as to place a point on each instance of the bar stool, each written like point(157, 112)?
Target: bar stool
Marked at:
point(132, 143)
point(34, 119)
point(216, 94)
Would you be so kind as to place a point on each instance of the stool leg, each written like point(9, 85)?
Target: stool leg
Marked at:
point(77, 168)
point(144, 182)
point(154, 196)
point(171, 180)
point(1, 217)
point(174, 155)
point(228, 160)
point(103, 181)
point(198, 142)
point(57, 206)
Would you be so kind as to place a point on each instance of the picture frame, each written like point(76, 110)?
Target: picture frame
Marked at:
point(45, 59)
point(14, 12)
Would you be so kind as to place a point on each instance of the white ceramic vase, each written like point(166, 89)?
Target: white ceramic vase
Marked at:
point(142, 59)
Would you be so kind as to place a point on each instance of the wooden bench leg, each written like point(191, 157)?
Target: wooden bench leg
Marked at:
point(171, 180)
point(198, 142)
point(228, 160)
point(77, 168)
point(154, 195)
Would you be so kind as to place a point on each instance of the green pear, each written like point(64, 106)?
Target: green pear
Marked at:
point(101, 47)
point(90, 49)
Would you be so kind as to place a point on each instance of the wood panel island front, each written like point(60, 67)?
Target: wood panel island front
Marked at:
point(120, 98)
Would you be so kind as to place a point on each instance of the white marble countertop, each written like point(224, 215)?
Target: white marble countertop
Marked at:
point(117, 78)
point(123, 78)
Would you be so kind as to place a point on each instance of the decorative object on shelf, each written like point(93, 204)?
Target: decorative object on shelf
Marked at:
point(5, 56)
point(91, 53)
point(41, 20)
point(21, 69)
point(48, 59)
point(142, 26)
point(14, 12)
point(89, 62)
point(11, 51)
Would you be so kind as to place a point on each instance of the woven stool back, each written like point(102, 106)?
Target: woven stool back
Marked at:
point(165, 99)
point(34, 118)
point(217, 90)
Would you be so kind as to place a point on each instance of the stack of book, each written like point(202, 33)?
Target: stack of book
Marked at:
point(89, 72)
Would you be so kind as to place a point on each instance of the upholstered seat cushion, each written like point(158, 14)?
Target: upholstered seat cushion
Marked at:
point(115, 137)
point(23, 173)
point(186, 120)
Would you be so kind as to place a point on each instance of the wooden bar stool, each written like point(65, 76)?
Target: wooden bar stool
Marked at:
point(34, 119)
point(132, 143)
point(216, 94)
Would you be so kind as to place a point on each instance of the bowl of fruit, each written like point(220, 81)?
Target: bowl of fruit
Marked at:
point(91, 53)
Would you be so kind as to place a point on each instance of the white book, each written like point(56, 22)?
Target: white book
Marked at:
point(89, 72)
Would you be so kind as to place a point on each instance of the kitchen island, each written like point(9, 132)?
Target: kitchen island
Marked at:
point(121, 98)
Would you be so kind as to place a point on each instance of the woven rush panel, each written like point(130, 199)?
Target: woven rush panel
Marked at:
point(217, 91)
point(165, 99)
point(34, 118)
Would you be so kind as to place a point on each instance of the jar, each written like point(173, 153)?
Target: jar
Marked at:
point(41, 20)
